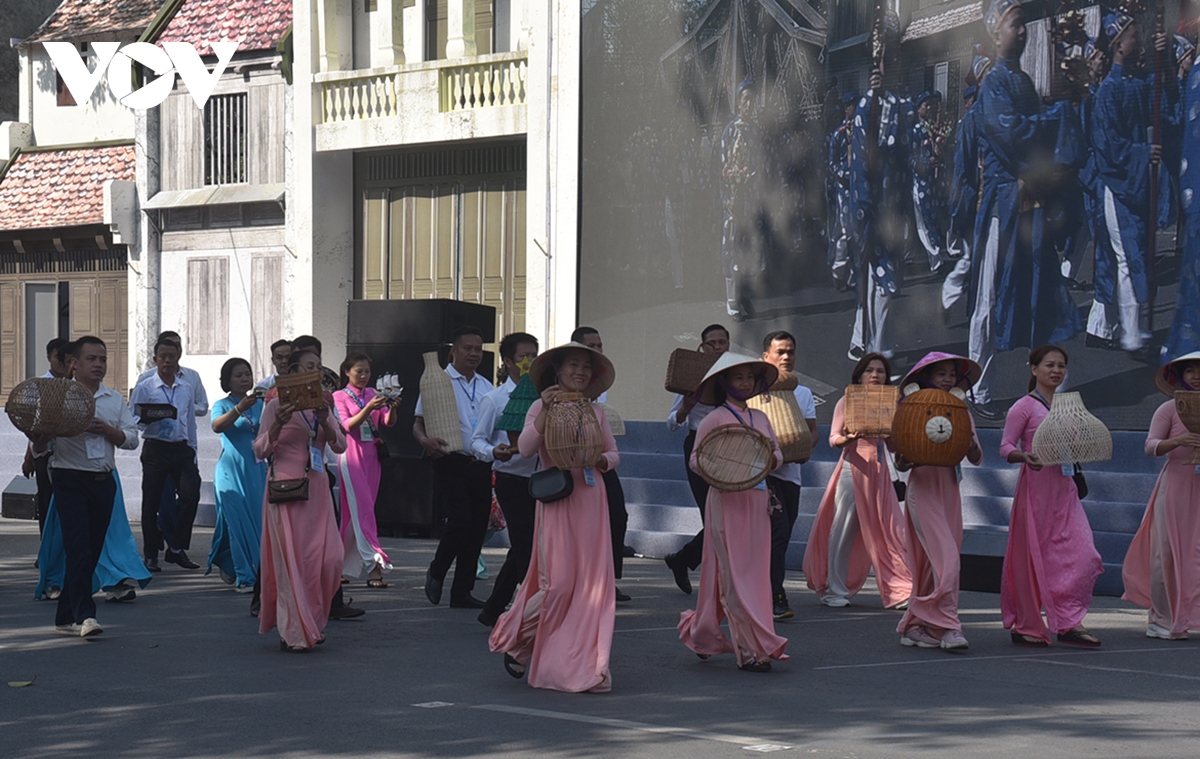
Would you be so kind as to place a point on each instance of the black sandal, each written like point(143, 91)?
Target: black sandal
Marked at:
point(703, 657)
point(755, 666)
point(377, 582)
point(1028, 641)
point(1079, 636)
point(513, 667)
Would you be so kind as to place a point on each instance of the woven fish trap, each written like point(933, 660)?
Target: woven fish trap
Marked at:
point(869, 410)
point(1187, 405)
point(734, 457)
point(439, 404)
point(686, 368)
point(933, 428)
point(1070, 434)
point(791, 429)
point(573, 437)
point(51, 406)
point(304, 391)
point(615, 423)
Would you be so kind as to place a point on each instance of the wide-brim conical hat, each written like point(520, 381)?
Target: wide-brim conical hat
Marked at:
point(1167, 379)
point(969, 372)
point(544, 369)
point(705, 391)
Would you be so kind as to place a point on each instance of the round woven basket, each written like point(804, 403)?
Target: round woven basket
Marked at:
point(1070, 434)
point(50, 406)
point(573, 438)
point(734, 457)
point(933, 428)
point(1187, 405)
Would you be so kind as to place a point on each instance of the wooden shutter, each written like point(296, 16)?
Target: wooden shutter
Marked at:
point(208, 306)
point(10, 336)
point(375, 234)
point(266, 310)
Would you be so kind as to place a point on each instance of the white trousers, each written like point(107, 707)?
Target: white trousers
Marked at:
point(1120, 319)
point(928, 237)
point(981, 341)
point(879, 305)
point(954, 288)
point(842, 533)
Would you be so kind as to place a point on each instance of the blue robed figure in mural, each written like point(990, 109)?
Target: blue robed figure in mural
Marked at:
point(1123, 156)
point(838, 166)
point(1184, 337)
point(927, 142)
point(1018, 297)
point(880, 205)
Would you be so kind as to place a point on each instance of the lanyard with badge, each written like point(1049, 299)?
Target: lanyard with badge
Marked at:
point(166, 427)
point(366, 430)
point(316, 458)
point(471, 392)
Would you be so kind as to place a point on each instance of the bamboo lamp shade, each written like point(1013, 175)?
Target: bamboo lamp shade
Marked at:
point(1070, 434)
point(573, 436)
point(51, 406)
point(932, 427)
point(869, 410)
point(1187, 404)
point(734, 457)
point(439, 405)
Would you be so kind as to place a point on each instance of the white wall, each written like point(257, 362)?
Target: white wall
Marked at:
point(100, 118)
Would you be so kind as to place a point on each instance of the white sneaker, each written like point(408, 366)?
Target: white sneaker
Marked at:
point(244, 589)
point(952, 639)
point(53, 592)
point(918, 637)
point(835, 601)
point(120, 593)
point(225, 578)
point(71, 629)
point(1158, 631)
point(89, 628)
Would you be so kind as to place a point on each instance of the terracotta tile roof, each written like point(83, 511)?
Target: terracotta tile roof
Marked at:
point(255, 24)
point(944, 21)
point(76, 19)
point(61, 188)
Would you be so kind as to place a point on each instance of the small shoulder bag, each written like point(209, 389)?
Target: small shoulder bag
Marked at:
point(286, 491)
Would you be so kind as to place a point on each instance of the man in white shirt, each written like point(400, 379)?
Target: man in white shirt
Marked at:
point(169, 453)
point(512, 471)
point(281, 351)
point(84, 487)
point(462, 485)
point(779, 350)
point(686, 411)
point(200, 396)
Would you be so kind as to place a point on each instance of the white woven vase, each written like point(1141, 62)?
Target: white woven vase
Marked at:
point(1070, 434)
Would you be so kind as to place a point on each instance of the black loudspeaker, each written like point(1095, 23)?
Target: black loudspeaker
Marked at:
point(982, 558)
point(415, 321)
point(20, 499)
point(396, 334)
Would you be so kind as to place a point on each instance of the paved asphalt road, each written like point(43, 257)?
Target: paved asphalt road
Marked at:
point(182, 672)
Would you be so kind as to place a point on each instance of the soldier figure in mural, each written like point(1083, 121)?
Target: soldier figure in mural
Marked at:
point(1184, 337)
point(1018, 297)
point(839, 213)
point(964, 187)
point(879, 198)
point(1095, 55)
point(742, 148)
point(1123, 156)
point(928, 143)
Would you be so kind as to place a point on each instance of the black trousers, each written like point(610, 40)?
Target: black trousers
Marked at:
point(463, 489)
point(618, 518)
point(512, 493)
point(85, 504)
point(692, 551)
point(782, 521)
point(177, 461)
point(41, 473)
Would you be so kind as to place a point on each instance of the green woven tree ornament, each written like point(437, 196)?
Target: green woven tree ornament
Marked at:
point(523, 396)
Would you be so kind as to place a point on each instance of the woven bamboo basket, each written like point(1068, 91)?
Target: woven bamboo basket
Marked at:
point(50, 406)
point(1070, 434)
point(869, 410)
point(686, 368)
point(932, 427)
point(615, 423)
point(1187, 404)
point(439, 405)
point(791, 430)
point(304, 391)
point(734, 457)
point(573, 436)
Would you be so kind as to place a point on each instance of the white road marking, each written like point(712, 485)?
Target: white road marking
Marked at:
point(1118, 669)
point(623, 724)
point(959, 658)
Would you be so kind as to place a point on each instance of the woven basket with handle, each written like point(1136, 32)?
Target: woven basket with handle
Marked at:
point(1070, 434)
point(933, 428)
point(686, 368)
point(781, 407)
point(439, 405)
point(1187, 404)
point(304, 391)
point(734, 457)
point(869, 410)
point(51, 406)
point(573, 436)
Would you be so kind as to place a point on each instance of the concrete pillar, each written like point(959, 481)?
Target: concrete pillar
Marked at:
point(460, 29)
point(327, 35)
point(390, 51)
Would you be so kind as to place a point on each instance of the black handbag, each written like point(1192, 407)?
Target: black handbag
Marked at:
point(286, 491)
point(1080, 482)
point(550, 485)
